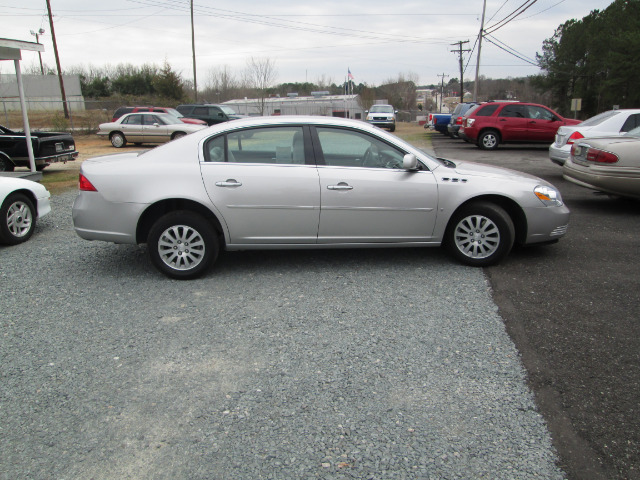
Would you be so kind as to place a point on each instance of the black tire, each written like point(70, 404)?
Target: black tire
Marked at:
point(489, 140)
point(17, 219)
point(174, 256)
point(6, 165)
point(480, 234)
point(392, 128)
point(178, 135)
point(40, 168)
point(118, 140)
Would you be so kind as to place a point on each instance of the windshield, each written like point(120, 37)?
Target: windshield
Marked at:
point(381, 109)
point(227, 110)
point(598, 119)
point(169, 119)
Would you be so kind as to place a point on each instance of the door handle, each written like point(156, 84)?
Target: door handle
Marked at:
point(340, 186)
point(229, 183)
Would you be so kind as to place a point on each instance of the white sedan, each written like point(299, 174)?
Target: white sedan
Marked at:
point(146, 127)
point(22, 202)
point(605, 124)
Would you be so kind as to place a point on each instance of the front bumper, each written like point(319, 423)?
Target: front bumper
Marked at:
point(546, 224)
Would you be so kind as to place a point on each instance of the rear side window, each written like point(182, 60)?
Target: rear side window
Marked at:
point(486, 111)
point(513, 111)
point(279, 145)
point(631, 123)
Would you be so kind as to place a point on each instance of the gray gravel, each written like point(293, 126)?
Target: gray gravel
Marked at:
point(367, 364)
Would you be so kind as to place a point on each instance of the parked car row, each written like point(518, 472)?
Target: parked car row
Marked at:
point(601, 153)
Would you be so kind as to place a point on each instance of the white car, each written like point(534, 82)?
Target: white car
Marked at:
point(22, 202)
point(295, 182)
point(606, 124)
point(146, 127)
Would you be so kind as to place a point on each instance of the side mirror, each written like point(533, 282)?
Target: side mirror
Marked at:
point(410, 162)
point(366, 111)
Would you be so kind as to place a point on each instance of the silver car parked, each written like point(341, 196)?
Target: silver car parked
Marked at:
point(146, 127)
point(307, 182)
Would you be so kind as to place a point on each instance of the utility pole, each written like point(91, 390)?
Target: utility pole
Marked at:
point(55, 51)
point(442, 90)
point(475, 85)
point(193, 49)
point(459, 51)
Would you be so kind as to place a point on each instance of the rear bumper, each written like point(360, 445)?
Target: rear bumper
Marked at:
point(559, 155)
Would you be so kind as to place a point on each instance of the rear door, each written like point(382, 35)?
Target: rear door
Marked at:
point(133, 128)
point(264, 184)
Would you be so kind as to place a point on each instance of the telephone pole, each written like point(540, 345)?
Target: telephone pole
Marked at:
point(475, 85)
point(442, 90)
point(193, 50)
point(55, 51)
point(459, 52)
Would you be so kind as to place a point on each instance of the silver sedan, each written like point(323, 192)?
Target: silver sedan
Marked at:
point(146, 127)
point(606, 164)
point(307, 182)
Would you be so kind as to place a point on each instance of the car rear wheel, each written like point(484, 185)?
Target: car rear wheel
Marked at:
point(18, 219)
point(480, 234)
point(118, 140)
point(489, 140)
point(182, 244)
point(6, 165)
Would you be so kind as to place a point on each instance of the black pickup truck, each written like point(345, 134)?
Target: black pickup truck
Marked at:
point(48, 148)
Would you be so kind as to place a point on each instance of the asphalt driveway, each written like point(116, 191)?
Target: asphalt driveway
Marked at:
point(572, 310)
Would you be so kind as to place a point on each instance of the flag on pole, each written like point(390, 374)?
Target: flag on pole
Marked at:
point(350, 76)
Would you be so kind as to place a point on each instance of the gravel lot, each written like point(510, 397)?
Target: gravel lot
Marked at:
point(376, 364)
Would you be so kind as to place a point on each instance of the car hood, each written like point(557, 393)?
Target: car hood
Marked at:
point(489, 171)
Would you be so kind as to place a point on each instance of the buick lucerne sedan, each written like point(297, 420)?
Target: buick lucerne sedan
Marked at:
point(307, 182)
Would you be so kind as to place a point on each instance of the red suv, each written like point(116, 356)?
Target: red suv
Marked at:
point(493, 123)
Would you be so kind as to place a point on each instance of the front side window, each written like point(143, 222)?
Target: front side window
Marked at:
point(276, 145)
point(539, 113)
point(348, 148)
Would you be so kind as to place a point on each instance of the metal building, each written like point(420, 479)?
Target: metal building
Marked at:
point(321, 104)
point(42, 92)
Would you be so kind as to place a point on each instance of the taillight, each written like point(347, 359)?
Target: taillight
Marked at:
point(459, 121)
point(574, 136)
point(600, 156)
point(85, 185)
point(430, 117)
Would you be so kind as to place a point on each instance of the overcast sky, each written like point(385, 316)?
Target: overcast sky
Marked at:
point(308, 40)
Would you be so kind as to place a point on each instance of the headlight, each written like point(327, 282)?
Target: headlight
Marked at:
point(549, 196)
point(369, 117)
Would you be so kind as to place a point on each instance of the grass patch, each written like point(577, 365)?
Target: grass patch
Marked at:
point(58, 182)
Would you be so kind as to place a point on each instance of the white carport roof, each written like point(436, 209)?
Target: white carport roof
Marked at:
point(12, 50)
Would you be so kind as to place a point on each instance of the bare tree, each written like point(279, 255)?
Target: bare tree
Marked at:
point(260, 74)
point(221, 84)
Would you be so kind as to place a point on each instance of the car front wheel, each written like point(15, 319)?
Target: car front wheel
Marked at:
point(182, 245)
point(18, 219)
point(489, 140)
point(480, 234)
